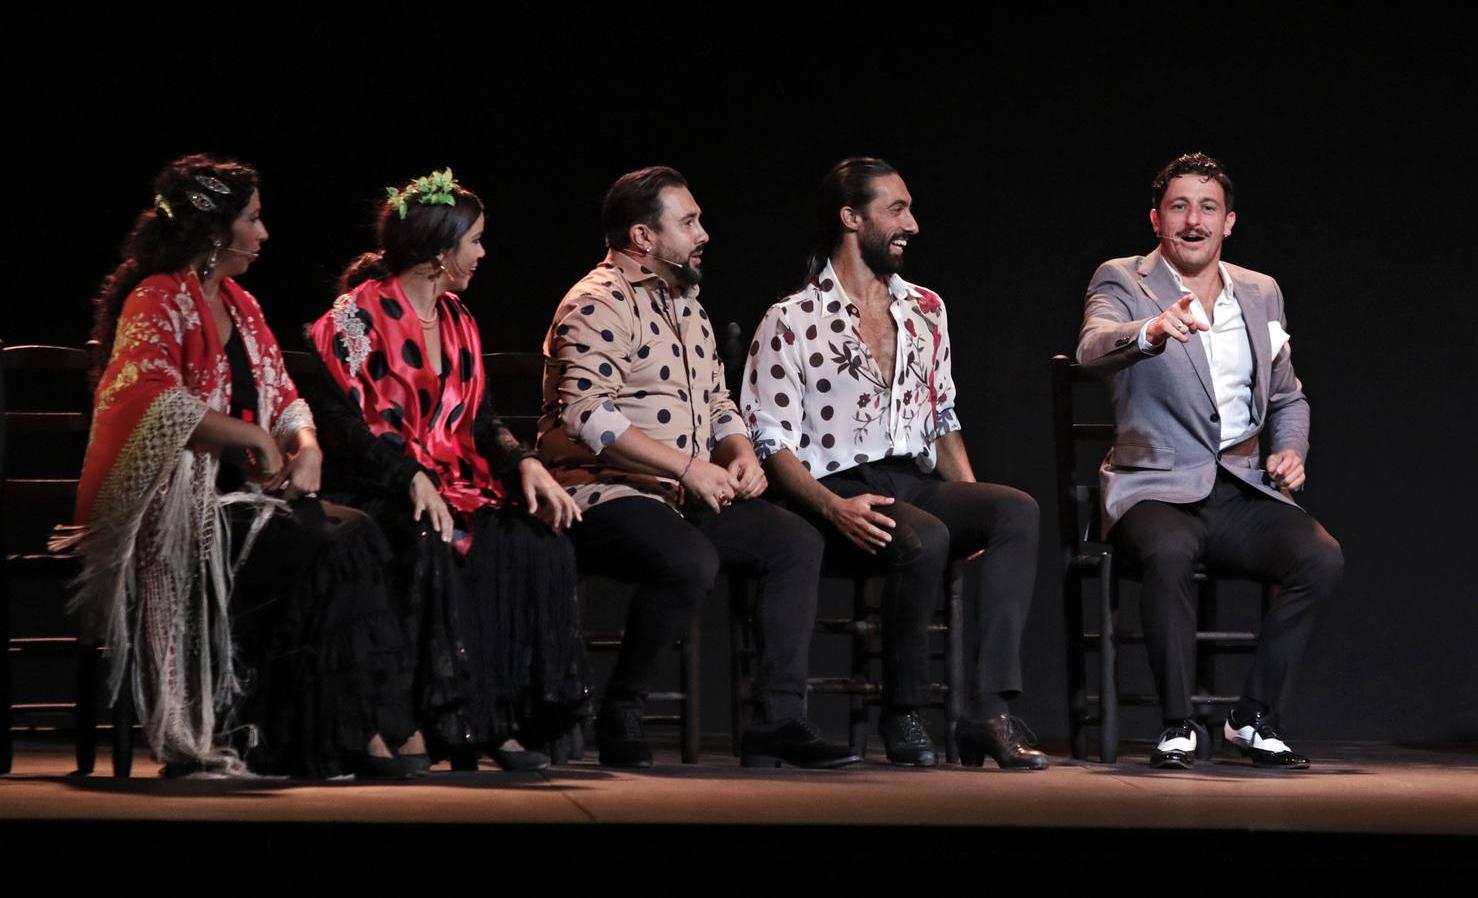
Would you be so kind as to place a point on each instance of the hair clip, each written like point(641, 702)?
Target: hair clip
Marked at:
point(214, 185)
point(162, 205)
point(201, 201)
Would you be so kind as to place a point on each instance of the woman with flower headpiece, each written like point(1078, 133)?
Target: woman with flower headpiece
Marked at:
point(255, 616)
point(411, 436)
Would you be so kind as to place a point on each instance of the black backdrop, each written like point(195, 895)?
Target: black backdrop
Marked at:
point(1028, 142)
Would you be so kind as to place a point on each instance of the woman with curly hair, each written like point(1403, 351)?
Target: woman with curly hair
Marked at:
point(255, 616)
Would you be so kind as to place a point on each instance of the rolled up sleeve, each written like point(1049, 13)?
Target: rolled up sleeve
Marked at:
point(770, 374)
point(592, 340)
point(945, 419)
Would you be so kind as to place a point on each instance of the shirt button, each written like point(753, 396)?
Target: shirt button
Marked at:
point(1216, 418)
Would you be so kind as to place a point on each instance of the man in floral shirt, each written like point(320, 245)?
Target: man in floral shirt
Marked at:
point(848, 380)
point(639, 427)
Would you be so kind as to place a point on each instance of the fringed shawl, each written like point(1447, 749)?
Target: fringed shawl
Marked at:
point(153, 536)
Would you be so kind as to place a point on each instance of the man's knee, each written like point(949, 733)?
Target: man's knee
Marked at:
point(1322, 564)
point(1020, 516)
point(919, 543)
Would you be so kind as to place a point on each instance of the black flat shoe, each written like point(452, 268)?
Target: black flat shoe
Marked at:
point(796, 742)
point(400, 767)
point(519, 759)
point(905, 741)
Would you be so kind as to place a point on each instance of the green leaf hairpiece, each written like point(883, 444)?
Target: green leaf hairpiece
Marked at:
point(435, 189)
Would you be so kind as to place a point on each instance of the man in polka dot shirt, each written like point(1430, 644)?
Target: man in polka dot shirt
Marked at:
point(848, 380)
point(639, 427)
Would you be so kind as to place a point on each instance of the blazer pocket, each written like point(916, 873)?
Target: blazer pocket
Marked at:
point(1133, 455)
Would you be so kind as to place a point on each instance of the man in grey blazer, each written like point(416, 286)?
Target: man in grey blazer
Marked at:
point(1197, 356)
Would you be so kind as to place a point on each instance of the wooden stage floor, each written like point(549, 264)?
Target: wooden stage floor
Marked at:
point(1360, 806)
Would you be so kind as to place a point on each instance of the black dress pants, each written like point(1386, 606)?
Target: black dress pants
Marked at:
point(936, 521)
point(1239, 530)
point(675, 561)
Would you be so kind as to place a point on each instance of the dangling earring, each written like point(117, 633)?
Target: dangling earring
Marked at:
point(210, 261)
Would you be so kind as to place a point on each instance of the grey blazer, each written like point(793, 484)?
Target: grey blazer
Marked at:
point(1167, 442)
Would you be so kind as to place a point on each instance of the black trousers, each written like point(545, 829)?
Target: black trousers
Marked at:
point(676, 559)
point(1239, 530)
point(937, 521)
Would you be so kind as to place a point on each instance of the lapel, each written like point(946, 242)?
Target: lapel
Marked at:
point(1255, 317)
point(1159, 286)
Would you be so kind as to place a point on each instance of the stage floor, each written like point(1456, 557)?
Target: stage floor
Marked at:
point(1362, 807)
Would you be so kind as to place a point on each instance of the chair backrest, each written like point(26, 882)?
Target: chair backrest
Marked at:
point(299, 364)
point(45, 415)
point(516, 380)
point(732, 350)
point(1083, 431)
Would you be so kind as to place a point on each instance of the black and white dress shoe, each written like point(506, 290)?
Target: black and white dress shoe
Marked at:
point(1259, 740)
point(1177, 747)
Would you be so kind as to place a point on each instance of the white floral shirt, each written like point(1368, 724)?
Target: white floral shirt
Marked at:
point(812, 386)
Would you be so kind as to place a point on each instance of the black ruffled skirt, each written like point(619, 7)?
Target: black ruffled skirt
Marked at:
point(321, 654)
point(496, 634)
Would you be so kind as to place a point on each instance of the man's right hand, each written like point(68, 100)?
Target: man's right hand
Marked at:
point(869, 530)
point(711, 483)
point(1177, 321)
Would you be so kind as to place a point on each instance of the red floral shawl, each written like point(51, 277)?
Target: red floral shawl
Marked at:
point(156, 567)
point(372, 344)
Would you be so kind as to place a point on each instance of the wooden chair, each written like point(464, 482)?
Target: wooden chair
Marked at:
point(45, 396)
point(1080, 444)
point(516, 380)
point(862, 686)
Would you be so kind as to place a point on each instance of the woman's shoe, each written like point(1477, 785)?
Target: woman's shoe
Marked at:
point(518, 758)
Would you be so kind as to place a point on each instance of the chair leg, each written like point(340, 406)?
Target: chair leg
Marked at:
point(861, 646)
point(1108, 688)
point(1077, 672)
point(741, 681)
point(123, 725)
point(87, 707)
point(690, 677)
point(1205, 653)
point(954, 658)
point(7, 718)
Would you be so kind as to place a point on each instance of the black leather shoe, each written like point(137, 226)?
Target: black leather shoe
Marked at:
point(1259, 740)
point(400, 767)
point(1003, 739)
point(418, 765)
point(520, 759)
point(1176, 749)
point(796, 742)
point(905, 740)
point(618, 733)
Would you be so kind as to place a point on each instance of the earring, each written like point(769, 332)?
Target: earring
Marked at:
point(210, 261)
point(440, 270)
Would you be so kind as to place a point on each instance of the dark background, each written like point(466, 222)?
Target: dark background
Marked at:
point(1028, 142)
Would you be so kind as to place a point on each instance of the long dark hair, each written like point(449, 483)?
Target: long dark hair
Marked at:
point(849, 183)
point(426, 231)
point(190, 214)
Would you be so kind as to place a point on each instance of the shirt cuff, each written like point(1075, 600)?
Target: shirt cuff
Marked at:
point(598, 426)
point(728, 423)
point(948, 422)
point(1144, 344)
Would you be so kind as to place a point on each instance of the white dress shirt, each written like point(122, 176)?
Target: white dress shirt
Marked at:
point(1228, 355)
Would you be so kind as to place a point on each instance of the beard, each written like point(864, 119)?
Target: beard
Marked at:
point(875, 247)
point(685, 273)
